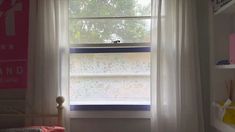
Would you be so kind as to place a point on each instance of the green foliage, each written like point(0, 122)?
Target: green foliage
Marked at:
point(106, 30)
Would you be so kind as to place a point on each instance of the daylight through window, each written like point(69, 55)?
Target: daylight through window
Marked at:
point(109, 52)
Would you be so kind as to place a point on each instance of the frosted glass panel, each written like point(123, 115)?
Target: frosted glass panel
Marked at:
point(110, 63)
point(120, 90)
point(110, 78)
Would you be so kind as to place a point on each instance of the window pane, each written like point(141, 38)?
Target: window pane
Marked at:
point(109, 8)
point(107, 63)
point(106, 31)
point(110, 78)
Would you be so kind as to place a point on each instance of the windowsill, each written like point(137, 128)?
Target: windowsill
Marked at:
point(110, 114)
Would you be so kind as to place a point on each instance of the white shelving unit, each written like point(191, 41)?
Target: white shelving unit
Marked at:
point(231, 66)
point(223, 127)
point(222, 24)
point(218, 123)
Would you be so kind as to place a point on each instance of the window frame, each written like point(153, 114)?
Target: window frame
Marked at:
point(133, 47)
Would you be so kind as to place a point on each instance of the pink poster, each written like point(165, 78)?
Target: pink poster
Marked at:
point(14, 16)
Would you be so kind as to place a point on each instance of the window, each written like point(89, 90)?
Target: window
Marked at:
point(109, 53)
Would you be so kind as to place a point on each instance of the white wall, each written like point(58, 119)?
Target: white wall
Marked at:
point(110, 125)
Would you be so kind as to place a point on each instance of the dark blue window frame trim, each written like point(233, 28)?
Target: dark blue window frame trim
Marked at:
point(109, 107)
point(109, 50)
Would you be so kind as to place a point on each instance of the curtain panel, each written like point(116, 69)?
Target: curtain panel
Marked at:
point(176, 90)
point(47, 47)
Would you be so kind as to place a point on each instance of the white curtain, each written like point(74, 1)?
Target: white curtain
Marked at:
point(176, 89)
point(47, 47)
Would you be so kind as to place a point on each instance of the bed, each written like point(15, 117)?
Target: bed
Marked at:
point(57, 127)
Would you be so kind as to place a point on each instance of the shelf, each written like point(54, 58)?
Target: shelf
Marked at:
point(228, 8)
point(111, 75)
point(217, 123)
point(222, 126)
point(231, 66)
